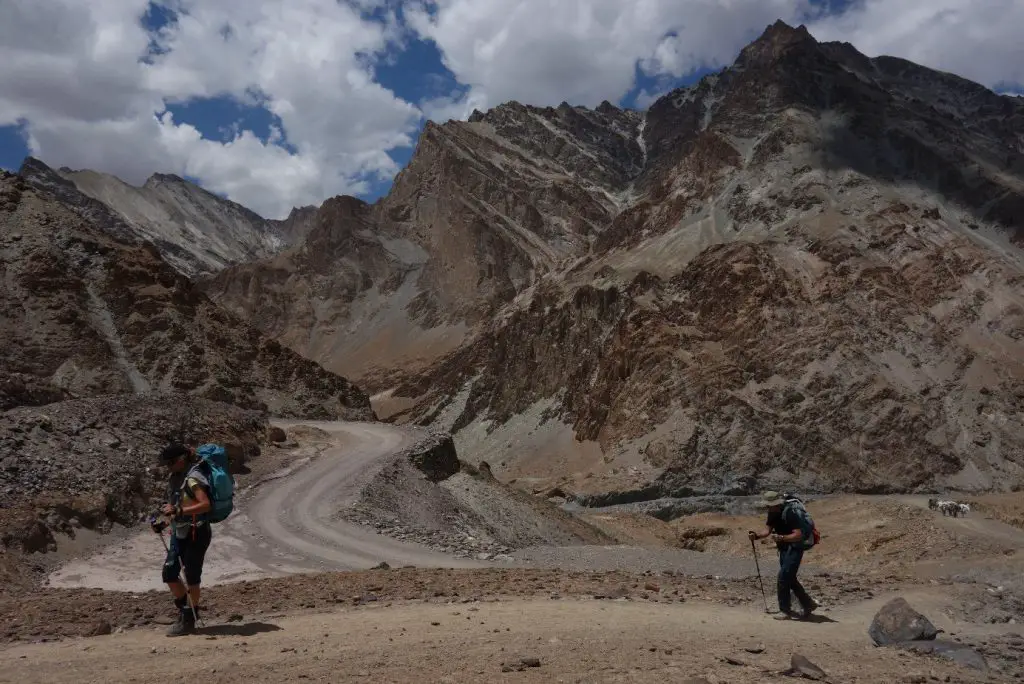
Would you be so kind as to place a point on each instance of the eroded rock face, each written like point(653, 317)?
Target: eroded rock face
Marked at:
point(483, 210)
point(787, 302)
point(85, 313)
point(804, 272)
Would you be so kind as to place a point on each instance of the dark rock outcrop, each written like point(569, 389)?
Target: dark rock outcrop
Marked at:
point(434, 455)
point(896, 622)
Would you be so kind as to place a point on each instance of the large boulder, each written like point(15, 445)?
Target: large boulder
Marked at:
point(434, 455)
point(897, 622)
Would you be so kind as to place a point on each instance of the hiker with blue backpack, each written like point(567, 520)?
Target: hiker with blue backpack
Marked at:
point(199, 493)
point(793, 530)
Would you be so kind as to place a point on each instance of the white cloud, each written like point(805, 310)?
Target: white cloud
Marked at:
point(456, 106)
point(981, 41)
point(584, 51)
point(646, 98)
point(72, 71)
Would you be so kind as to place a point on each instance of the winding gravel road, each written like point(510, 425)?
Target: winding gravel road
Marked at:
point(289, 525)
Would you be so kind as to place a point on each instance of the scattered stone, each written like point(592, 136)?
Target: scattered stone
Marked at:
point(759, 648)
point(958, 653)
point(621, 591)
point(99, 628)
point(236, 617)
point(520, 664)
point(800, 666)
point(733, 660)
point(897, 622)
point(381, 566)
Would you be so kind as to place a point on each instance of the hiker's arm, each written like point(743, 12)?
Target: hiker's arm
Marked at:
point(201, 505)
point(760, 535)
point(794, 536)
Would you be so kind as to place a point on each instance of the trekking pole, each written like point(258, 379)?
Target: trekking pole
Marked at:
point(182, 578)
point(758, 566)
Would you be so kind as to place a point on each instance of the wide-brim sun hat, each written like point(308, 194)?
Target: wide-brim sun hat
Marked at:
point(769, 499)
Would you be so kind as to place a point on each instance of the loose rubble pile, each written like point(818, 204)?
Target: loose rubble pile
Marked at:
point(425, 494)
point(461, 543)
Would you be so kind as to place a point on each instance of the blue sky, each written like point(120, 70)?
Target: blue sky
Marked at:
point(211, 70)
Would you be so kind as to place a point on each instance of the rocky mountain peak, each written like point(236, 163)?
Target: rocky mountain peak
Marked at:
point(158, 178)
point(344, 206)
point(297, 225)
point(778, 39)
point(196, 231)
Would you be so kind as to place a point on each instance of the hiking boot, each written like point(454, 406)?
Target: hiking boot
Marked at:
point(788, 615)
point(185, 624)
point(813, 606)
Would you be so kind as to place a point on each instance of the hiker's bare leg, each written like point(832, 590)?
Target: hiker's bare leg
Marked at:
point(177, 589)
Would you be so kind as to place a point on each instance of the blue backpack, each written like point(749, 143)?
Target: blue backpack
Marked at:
point(222, 485)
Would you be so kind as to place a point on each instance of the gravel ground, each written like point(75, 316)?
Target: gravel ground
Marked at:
point(641, 559)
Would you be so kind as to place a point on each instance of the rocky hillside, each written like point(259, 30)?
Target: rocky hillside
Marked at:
point(483, 210)
point(94, 460)
point(85, 313)
point(195, 231)
point(803, 271)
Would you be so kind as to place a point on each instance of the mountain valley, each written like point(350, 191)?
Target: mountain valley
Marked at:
point(512, 420)
point(804, 271)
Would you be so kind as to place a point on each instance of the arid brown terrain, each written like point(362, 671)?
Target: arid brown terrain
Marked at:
point(592, 337)
point(804, 271)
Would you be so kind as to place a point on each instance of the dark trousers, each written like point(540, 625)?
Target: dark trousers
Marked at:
point(790, 556)
point(192, 552)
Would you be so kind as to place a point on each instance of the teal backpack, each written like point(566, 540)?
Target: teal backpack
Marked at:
point(222, 485)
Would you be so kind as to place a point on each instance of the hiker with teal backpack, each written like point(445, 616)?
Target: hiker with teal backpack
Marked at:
point(793, 530)
point(199, 493)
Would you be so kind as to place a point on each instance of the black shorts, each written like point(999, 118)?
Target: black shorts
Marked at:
point(190, 551)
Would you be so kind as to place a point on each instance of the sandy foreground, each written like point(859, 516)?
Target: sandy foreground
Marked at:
point(574, 640)
point(283, 606)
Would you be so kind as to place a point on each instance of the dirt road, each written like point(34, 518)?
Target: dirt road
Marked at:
point(574, 641)
point(287, 525)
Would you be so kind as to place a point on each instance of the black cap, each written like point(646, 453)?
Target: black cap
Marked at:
point(172, 452)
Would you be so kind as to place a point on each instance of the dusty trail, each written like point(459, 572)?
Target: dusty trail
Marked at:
point(574, 640)
point(975, 523)
point(289, 525)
